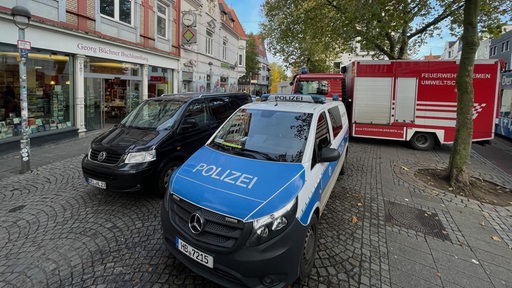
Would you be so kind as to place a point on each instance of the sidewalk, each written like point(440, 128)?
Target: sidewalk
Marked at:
point(474, 246)
point(46, 154)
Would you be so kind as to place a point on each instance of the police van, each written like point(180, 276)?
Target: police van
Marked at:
point(243, 210)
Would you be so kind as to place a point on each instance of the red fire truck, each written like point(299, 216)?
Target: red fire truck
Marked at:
point(409, 100)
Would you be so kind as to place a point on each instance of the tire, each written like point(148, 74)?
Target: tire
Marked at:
point(163, 179)
point(343, 170)
point(422, 141)
point(307, 258)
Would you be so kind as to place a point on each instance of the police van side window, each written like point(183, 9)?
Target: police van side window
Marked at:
point(336, 120)
point(322, 138)
point(195, 117)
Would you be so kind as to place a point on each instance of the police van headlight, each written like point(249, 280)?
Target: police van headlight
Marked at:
point(270, 226)
point(140, 157)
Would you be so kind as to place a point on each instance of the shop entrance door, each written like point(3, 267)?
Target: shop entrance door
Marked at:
point(109, 100)
point(94, 102)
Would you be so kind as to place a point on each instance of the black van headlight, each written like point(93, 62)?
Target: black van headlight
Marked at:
point(270, 226)
point(140, 157)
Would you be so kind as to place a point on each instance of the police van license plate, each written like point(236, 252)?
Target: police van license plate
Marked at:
point(193, 253)
point(97, 183)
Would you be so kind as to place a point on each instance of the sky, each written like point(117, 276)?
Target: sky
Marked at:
point(250, 15)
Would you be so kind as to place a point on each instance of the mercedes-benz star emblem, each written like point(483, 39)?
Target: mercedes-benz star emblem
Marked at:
point(195, 223)
point(102, 156)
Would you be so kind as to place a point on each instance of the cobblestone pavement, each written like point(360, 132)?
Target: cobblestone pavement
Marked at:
point(55, 231)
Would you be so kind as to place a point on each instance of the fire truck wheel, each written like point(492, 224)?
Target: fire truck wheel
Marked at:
point(422, 141)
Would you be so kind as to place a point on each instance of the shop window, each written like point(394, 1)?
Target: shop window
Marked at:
point(120, 10)
point(49, 92)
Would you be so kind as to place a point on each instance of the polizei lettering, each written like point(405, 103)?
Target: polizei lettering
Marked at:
point(289, 98)
point(226, 175)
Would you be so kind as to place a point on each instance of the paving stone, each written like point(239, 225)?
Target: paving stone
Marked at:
point(62, 233)
point(410, 267)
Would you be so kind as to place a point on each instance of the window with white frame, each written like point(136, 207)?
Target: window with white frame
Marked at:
point(224, 49)
point(209, 42)
point(162, 19)
point(119, 10)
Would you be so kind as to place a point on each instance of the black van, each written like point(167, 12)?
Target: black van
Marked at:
point(155, 138)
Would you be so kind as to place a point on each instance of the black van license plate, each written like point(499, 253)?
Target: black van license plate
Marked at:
point(193, 253)
point(97, 183)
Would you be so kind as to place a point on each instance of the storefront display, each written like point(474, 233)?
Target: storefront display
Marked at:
point(49, 91)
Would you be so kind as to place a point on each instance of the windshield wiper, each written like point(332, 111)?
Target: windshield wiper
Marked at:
point(258, 154)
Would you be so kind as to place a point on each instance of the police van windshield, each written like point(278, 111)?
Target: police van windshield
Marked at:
point(265, 135)
point(153, 114)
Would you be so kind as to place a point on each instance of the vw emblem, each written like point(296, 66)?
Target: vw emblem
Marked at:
point(102, 156)
point(196, 223)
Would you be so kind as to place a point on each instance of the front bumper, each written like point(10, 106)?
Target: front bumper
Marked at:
point(272, 264)
point(122, 177)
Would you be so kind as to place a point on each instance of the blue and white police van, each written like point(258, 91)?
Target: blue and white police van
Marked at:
point(243, 210)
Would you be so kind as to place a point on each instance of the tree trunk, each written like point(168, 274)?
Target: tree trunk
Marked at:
point(459, 158)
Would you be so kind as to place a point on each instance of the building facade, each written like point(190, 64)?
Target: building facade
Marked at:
point(453, 49)
point(91, 62)
point(501, 48)
point(213, 46)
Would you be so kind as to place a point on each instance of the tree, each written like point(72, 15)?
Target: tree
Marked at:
point(277, 75)
point(317, 31)
point(459, 158)
point(251, 56)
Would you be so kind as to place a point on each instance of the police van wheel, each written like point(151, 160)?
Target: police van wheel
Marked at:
point(307, 258)
point(343, 170)
point(422, 141)
point(163, 183)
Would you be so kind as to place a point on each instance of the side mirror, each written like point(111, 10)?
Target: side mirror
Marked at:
point(329, 155)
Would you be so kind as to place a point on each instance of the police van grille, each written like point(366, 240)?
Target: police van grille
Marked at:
point(111, 158)
point(217, 230)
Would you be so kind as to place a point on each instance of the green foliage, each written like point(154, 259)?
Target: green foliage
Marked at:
point(315, 32)
point(251, 54)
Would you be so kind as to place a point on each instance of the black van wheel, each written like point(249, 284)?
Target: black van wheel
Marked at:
point(307, 258)
point(422, 141)
point(163, 182)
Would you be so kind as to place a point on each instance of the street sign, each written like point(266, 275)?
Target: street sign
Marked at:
point(189, 35)
point(25, 45)
point(23, 53)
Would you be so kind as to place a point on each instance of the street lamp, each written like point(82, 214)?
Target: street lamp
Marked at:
point(21, 17)
point(211, 76)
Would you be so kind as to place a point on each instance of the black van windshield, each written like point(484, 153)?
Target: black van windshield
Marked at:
point(265, 135)
point(154, 114)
